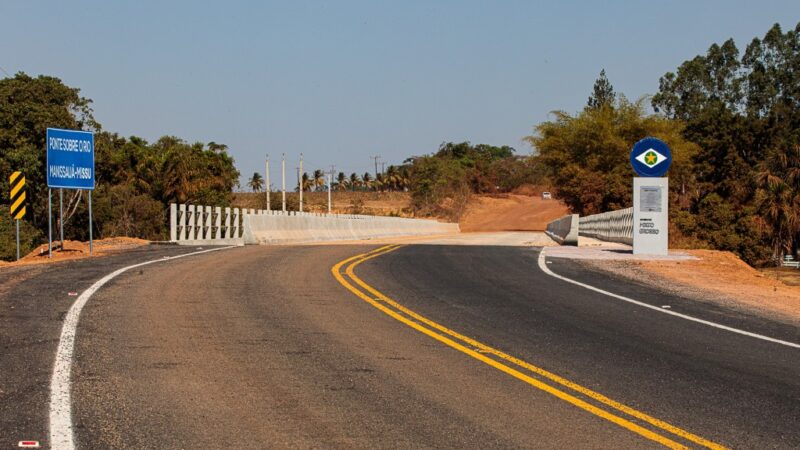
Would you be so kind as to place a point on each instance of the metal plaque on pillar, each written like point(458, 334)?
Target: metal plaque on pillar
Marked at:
point(650, 159)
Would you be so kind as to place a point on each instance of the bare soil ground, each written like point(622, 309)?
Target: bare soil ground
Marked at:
point(510, 212)
point(344, 202)
point(76, 250)
point(523, 210)
point(720, 277)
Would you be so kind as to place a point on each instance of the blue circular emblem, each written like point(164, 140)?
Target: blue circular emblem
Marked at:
point(651, 157)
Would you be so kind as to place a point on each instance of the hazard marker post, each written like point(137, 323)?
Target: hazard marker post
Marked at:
point(18, 197)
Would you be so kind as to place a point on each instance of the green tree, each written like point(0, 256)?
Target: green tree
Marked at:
point(355, 181)
point(587, 155)
point(256, 182)
point(603, 93)
point(744, 114)
point(306, 183)
point(439, 186)
point(319, 179)
point(28, 106)
point(778, 198)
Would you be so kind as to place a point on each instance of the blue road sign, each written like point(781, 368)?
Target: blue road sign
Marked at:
point(651, 157)
point(70, 159)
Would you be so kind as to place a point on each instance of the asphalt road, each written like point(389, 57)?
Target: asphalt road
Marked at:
point(262, 347)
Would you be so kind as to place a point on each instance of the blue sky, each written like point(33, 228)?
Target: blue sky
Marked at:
point(341, 81)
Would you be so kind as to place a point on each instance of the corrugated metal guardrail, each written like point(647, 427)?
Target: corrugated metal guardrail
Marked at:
point(612, 226)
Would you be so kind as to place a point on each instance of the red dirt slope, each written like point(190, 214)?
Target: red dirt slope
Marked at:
point(511, 212)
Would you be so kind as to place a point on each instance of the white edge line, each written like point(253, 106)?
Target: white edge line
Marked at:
point(61, 434)
point(544, 268)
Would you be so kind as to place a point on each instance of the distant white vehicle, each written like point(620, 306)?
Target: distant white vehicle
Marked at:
point(546, 196)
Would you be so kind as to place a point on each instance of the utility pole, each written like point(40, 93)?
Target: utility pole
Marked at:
point(300, 180)
point(376, 158)
point(283, 181)
point(330, 180)
point(330, 177)
point(297, 170)
point(267, 188)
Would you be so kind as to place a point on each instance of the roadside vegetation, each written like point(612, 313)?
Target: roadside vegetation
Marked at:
point(135, 179)
point(732, 121)
point(731, 118)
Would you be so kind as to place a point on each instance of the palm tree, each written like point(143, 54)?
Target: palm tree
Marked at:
point(354, 181)
point(392, 177)
point(179, 171)
point(367, 180)
point(778, 183)
point(404, 179)
point(256, 183)
point(217, 148)
point(319, 179)
point(380, 182)
point(341, 181)
point(306, 182)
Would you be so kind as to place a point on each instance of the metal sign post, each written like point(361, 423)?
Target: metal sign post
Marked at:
point(91, 240)
point(650, 159)
point(70, 165)
point(49, 223)
point(18, 197)
point(61, 215)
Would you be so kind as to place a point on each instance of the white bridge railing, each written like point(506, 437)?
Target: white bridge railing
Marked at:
point(206, 225)
point(189, 224)
point(612, 226)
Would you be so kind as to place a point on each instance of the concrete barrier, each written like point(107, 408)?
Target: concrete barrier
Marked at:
point(564, 230)
point(205, 225)
point(613, 226)
point(294, 228)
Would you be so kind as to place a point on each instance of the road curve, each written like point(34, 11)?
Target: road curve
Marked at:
point(265, 347)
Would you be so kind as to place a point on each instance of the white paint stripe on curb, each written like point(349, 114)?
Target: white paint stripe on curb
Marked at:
point(543, 266)
point(61, 435)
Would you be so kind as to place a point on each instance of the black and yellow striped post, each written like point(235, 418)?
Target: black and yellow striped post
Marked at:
point(18, 197)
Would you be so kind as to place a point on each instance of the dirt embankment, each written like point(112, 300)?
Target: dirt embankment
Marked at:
point(511, 212)
point(76, 250)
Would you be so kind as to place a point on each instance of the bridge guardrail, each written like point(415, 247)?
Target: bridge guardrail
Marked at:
point(612, 226)
point(564, 230)
point(206, 225)
point(276, 227)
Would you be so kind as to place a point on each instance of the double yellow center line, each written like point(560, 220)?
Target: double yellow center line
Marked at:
point(566, 390)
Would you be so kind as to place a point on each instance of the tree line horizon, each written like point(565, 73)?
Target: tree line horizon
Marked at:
point(731, 118)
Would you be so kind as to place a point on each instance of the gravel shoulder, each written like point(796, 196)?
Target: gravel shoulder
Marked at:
point(716, 277)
